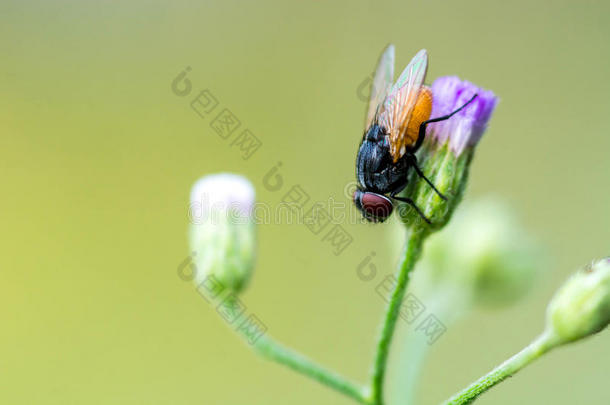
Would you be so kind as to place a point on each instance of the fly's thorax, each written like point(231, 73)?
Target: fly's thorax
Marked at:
point(374, 166)
point(375, 133)
point(371, 153)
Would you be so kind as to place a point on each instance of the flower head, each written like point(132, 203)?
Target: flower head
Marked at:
point(581, 307)
point(223, 239)
point(466, 127)
point(448, 150)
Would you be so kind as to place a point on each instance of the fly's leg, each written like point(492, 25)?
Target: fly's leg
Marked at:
point(422, 128)
point(412, 160)
point(412, 204)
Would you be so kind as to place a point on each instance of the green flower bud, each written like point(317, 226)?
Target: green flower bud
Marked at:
point(581, 307)
point(222, 230)
point(448, 150)
point(483, 254)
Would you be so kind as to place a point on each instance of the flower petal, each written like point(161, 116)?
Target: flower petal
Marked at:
point(466, 128)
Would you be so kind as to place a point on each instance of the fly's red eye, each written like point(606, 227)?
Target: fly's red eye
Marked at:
point(374, 206)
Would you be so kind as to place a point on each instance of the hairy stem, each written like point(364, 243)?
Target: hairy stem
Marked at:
point(272, 350)
point(534, 350)
point(415, 240)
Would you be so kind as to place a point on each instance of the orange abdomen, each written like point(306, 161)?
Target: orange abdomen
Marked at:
point(421, 112)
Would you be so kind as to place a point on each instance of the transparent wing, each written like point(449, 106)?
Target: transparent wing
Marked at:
point(398, 105)
point(382, 82)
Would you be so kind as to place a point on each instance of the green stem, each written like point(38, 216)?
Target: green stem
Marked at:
point(415, 240)
point(534, 350)
point(272, 350)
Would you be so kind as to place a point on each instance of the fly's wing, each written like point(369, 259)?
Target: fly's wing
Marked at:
point(397, 108)
point(382, 82)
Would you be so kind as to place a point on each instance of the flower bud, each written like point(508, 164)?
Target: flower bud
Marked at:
point(581, 307)
point(448, 149)
point(223, 238)
point(483, 254)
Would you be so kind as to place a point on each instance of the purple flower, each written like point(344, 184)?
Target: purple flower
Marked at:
point(466, 127)
point(446, 159)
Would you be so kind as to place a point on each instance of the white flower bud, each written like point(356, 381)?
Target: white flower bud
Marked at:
point(581, 307)
point(222, 230)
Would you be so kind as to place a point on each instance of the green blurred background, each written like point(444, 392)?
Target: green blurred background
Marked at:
point(97, 156)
